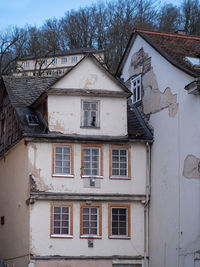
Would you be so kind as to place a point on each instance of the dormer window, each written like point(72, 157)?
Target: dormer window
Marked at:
point(194, 61)
point(136, 89)
point(90, 113)
point(32, 119)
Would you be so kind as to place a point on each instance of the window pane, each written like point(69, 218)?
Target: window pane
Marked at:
point(119, 221)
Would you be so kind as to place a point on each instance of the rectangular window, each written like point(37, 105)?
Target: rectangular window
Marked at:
point(92, 160)
point(63, 160)
point(45, 62)
point(120, 165)
point(61, 220)
point(136, 89)
point(63, 60)
point(90, 225)
point(90, 113)
point(26, 64)
point(119, 221)
point(74, 59)
point(54, 61)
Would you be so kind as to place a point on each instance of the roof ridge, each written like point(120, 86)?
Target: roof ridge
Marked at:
point(170, 34)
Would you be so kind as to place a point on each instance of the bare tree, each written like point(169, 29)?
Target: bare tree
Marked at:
point(191, 16)
point(169, 18)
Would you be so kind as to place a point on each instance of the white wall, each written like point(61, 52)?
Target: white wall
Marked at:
point(175, 212)
point(40, 165)
point(42, 244)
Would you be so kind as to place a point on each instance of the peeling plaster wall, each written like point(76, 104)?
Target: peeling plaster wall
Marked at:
point(42, 244)
point(40, 166)
point(175, 196)
point(65, 115)
point(14, 185)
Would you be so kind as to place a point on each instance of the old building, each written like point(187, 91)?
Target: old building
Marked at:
point(162, 70)
point(74, 171)
point(54, 64)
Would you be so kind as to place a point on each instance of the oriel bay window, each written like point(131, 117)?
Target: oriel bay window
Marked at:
point(120, 164)
point(62, 163)
point(92, 161)
point(61, 220)
point(119, 221)
point(91, 217)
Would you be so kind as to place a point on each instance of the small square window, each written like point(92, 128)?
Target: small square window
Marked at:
point(63, 60)
point(74, 59)
point(62, 160)
point(119, 221)
point(61, 223)
point(136, 89)
point(90, 113)
point(90, 220)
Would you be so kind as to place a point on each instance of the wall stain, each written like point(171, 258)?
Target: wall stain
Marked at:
point(90, 81)
point(191, 167)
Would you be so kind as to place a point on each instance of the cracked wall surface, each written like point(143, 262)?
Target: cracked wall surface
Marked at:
point(153, 99)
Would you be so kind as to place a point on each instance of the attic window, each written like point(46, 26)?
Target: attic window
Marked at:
point(90, 113)
point(195, 61)
point(32, 119)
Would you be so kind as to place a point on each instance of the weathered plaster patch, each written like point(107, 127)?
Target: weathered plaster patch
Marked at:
point(191, 167)
point(90, 81)
point(56, 125)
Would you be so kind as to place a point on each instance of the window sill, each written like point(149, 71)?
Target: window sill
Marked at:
point(91, 237)
point(62, 176)
point(90, 127)
point(61, 236)
point(91, 177)
point(120, 237)
point(120, 178)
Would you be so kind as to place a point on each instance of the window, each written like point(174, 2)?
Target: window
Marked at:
point(119, 221)
point(32, 119)
point(54, 61)
point(63, 160)
point(136, 89)
point(63, 60)
point(90, 225)
point(45, 62)
point(26, 64)
point(48, 73)
point(92, 161)
point(90, 113)
point(120, 165)
point(74, 59)
point(61, 220)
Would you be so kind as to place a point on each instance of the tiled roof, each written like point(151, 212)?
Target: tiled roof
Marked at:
point(175, 48)
point(23, 91)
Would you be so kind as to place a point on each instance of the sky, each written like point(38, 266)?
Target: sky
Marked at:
point(36, 12)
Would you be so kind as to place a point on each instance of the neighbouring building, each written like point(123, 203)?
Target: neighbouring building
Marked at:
point(54, 64)
point(74, 165)
point(163, 72)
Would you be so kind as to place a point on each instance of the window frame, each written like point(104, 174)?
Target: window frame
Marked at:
point(74, 59)
point(100, 147)
point(99, 222)
point(128, 223)
point(71, 175)
point(97, 126)
point(70, 226)
point(134, 88)
point(64, 60)
point(120, 177)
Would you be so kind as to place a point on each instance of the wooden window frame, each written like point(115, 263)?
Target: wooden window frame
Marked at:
point(116, 177)
point(99, 236)
point(110, 206)
point(101, 161)
point(97, 126)
point(72, 161)
point(52, 235)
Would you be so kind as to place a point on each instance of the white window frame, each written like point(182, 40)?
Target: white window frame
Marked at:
point(118, 236)
point(26, 64)
point(45, 62)
point(74, 59)
point(62, 174)
point(90, 148)
point(127, 162)
point(54, 61)
point(69, 226)
point(63, 60)
point(97, 120)
point(136, 89)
